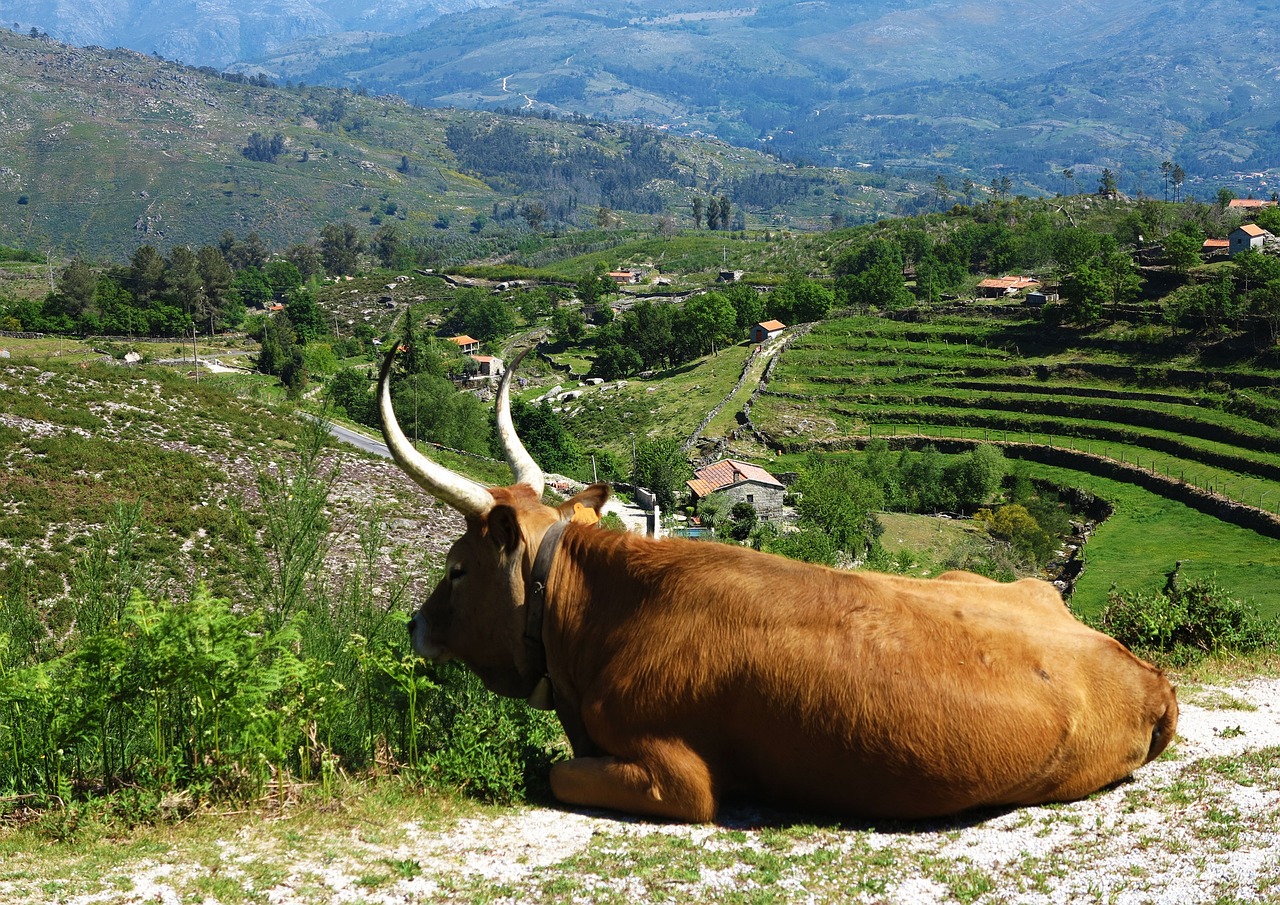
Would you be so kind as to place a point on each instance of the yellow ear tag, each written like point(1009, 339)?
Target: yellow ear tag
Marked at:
point(584, 515)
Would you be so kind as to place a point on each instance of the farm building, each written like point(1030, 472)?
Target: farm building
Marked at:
point(766, 330)
point(1002, 287)
point(741, 483)
point(1249, 236)
point(466, 344)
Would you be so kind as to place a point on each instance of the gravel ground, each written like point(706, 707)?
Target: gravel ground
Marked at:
point(1202, 824)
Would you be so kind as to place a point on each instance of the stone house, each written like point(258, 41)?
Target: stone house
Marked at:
point(740, 483)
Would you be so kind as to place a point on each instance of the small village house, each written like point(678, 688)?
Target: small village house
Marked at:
point(466, 345)
point(765, 330)
point(1003, 287)
point(741, 483)
point(489, 366)
point(1249, 204)
point(1246, 237)
point(1212, 248)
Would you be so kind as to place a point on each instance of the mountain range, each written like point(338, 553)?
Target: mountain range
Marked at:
point(1046, 95)
point(219, 32)
point(105, 150)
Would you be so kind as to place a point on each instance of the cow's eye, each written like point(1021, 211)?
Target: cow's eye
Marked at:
point(456, 571)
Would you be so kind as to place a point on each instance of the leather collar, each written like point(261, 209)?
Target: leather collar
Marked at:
point(535, 601)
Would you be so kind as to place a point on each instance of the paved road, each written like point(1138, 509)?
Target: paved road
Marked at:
point(357, 439)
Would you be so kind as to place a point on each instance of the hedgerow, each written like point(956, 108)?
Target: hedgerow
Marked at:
point(1186, 621)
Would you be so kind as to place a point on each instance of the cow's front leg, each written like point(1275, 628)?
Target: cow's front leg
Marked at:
point(673, 783)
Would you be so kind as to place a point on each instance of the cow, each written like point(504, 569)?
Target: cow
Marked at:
point(684, 672)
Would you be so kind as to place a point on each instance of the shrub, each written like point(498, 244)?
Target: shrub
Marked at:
point(1186, 621)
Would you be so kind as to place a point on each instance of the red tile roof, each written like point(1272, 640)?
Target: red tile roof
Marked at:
point(1012, 283)
point(772, 325)
point(728, 472)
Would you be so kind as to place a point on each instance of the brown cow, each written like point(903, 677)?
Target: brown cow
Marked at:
point(684, 671)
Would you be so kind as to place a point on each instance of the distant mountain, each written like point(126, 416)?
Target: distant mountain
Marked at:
point(102, 151)
point(980, 89)
point(219, 32)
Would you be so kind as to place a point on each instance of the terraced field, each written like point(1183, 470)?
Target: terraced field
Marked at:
point(1134, 417)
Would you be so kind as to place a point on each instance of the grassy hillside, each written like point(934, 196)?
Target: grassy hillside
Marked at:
point(106, 150)
point(1163, 437)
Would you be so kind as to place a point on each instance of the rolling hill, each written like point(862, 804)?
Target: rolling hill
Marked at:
point(102, 151)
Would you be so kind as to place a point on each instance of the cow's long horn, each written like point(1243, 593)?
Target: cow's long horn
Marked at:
point(523, 466)
point(463, 494)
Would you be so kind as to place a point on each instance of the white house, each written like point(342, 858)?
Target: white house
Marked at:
point(766, 330)
point(1248, 236)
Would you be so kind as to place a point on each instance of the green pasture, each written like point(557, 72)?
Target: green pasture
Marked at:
point(1206, 423)
point(1148, 534)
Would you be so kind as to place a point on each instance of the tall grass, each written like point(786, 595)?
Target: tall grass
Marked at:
point(236, 700)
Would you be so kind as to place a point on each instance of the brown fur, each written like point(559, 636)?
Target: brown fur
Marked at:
point(684, 671)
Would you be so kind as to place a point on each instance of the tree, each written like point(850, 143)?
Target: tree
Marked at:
point(726, 212)
point(614, 361)
point(280, 354)
point(941, 191)
point(305, 315)
point(568, 326)
point(534, 213)
point(182, 279)
point(76, 289)
point(350, 391)
point(251, 288)
point(263, 149)
point(975, 476)
point(836, 499)
point(1166, 170)
point(432, 409)
point(307, 258)
point(748, 306)
point(742, 521)
point(871, 276)
point(1121, 277)
point(697, 213)
point(387, 245)
point(1182, 251)
point(801, 300)
point(924, 483)
point(218, 305)
point(282, 277)
point(1084, 293)
point(661, 467)
point(1107, 183)
point(146, 273)
point(542, 431)
point(1013, 523)
point(705, 323)
point(340, 248)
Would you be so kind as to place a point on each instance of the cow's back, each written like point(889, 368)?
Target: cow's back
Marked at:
point(865, 693)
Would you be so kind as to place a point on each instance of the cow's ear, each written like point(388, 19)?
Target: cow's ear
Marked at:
point(504, 527)
point(590, 500)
